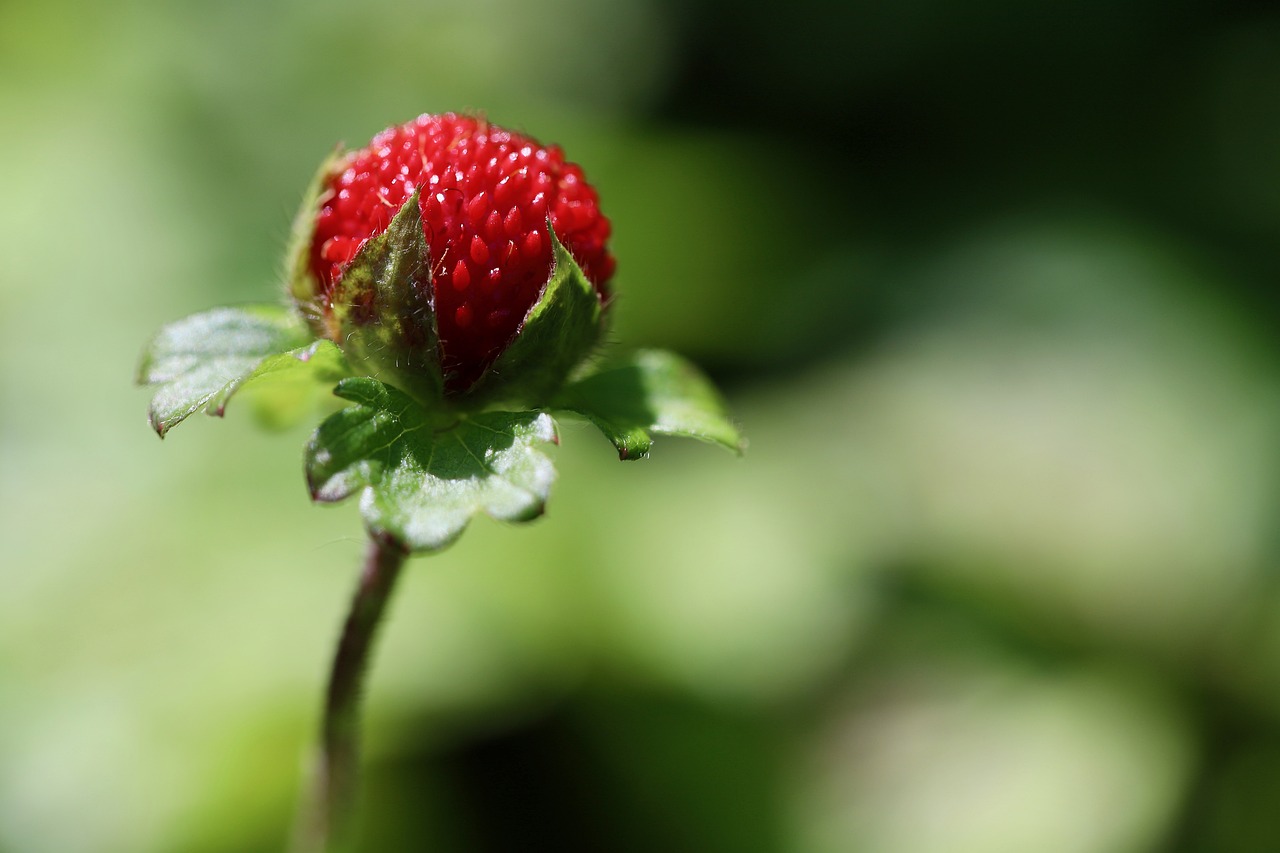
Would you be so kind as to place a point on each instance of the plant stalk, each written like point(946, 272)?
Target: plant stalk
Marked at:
point(326, 820)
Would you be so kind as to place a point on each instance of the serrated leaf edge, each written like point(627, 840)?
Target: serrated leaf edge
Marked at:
point(640, 449)
point(364, 477)
point(145, 377)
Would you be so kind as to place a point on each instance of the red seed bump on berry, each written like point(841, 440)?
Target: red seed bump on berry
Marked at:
point(486, 194)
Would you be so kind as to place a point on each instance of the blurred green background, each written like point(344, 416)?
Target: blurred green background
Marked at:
point(991, 287)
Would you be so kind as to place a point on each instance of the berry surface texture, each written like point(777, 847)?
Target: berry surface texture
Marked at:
point(486, 196)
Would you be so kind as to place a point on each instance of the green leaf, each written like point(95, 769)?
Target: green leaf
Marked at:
point(199, 362)
point(280, 394)
point(557, 334)
point(422, 479)
point(384, 308)
point(651, 391)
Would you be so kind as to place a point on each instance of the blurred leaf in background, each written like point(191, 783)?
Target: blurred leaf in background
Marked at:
point(992, 288)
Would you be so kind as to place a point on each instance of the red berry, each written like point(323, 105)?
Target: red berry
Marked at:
point(485, 197)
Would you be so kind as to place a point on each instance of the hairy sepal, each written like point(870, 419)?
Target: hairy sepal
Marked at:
point(382, 311)
point(559, 332)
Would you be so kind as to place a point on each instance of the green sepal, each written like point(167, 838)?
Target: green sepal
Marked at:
point(297, 274)
point(383, 309)
point(423, 478)
point(651, 391)
point(199, 362)
point(557, 334)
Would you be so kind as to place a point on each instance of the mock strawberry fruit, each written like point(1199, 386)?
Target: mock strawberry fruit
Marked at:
point(485, 196)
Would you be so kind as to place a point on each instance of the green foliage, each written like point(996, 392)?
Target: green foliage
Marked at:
point(423, 480)
point(651, 391)
point(199, 362)
point(425, 468)
point(424, 463)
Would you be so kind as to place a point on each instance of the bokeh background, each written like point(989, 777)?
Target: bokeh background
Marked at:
point(991, 287)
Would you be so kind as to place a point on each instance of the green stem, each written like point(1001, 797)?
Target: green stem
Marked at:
point(328, 819)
